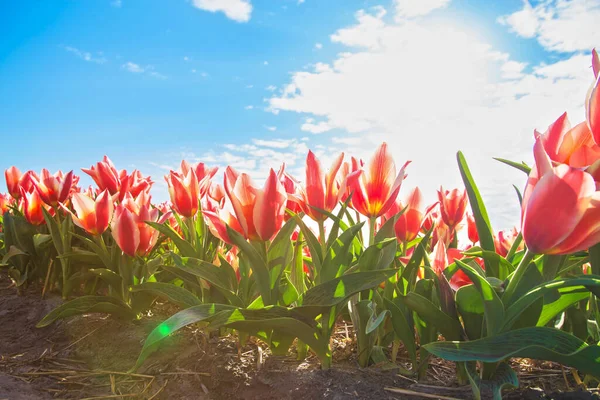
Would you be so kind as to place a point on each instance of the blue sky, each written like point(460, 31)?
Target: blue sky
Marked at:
point(149, 82)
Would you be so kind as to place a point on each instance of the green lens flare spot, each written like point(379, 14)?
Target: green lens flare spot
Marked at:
point(164, 330)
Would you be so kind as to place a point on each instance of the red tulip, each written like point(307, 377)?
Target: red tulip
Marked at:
point(472, 229)
point(259, 211)
point(129, 228)
point(204, 175)
point(32, 207)
point(322, 190)
point(13, 176)
point(561, 208)
point(293, 189)
point(184, 190)
point(376, 189)
point(441, 259)
point(408, 224)
point(504, 241)
point(54, 189)
point(135, 184)
point(220, 215)
point(105, 175)
point(92, 215)
point(574, 146)
point(5, 202)
point(452, 206)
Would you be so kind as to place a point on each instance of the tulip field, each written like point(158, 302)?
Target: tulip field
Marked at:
point(289, 263)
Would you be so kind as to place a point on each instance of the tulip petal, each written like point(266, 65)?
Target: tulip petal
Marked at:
point(104, 210)
point(269, 208)
point(555, 208)
point(315, 190)
point(125, 230)
point(592, 104)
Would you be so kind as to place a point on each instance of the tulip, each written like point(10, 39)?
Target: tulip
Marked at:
point(183, 189)
point(595, 63)
point(293, 189)
point(322, 190)
point(105, 175)
point(219, 216)
point(432, 217)
point(54, 189)
point(204, 175)
point(442, 258)
point(13, 176)
point(129, 228)
point(5, 202)
point(452, 206)
point(92, 216)
point(574, 146)
point(376, 189)
point(504, 240)
point(561, 208)
point(32, 206)
point(259, 212)
point(135, 184)
point(408, 224)
point(472, 229)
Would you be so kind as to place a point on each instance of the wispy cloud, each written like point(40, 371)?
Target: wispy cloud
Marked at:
point(318, 46)
point(248, 107)
point(237, 10)
point(116, 3)
point(270, 128)
point(86, 55)
point(138, 69)
point(271, 88)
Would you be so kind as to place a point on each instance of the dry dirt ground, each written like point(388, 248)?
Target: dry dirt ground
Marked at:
point(89, 356)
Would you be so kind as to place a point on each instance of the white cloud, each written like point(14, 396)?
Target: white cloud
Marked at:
point(265, 63)
point(248, 107)
point(300, 2)
point(193, 71)
point(558, 25)
point(138, 69)
point(237, 10)
point(271, 128)
point(318, 46)
point(430, 88)
point(186, 58)
point(249, 86)
point(310, 126)
point(416, 8)
point(133, 67)
point(85, 55)
point(271, 88)
point(116, 3)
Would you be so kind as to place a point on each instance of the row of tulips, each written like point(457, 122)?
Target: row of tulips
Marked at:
point(237, 256)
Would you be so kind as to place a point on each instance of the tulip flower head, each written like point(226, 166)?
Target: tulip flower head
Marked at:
point(453, 205)
point(561, 207)
point(105, 175)
point(13, 177)
point(259, 212)
point(32, 207)
point(408, 224)
point(92, 215)
point(184, 190)
point(323, 190)
point(129, 228)
point(54, 189)
point(375, 189)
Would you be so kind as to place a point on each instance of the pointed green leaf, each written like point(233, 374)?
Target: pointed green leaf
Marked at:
point(87, 305)
point(172, 293)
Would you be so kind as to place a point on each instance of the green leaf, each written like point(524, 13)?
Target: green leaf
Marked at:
point(378, 256)
point(257, 264)
point(337, 290)
point(412, 268)
point(494, 309)
point(338, 257)
point(470, 308)
point(313, 244)
point(551, 310)
point(484, 228)
point(89, 258)
point(505, 268)
point(403, 327)
point(110, 277)
point(430, 313)
point(520, 166)
point(521, 304)
point(375, 320)
point(54, 231)
point(185, 248)
point(173, 324)
point(12, 252)
point(41, 241)
point(538, 343)
point(87, 305)
point(503, 376)
point(172, 293)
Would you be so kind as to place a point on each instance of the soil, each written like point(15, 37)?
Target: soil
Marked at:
point(87, 357)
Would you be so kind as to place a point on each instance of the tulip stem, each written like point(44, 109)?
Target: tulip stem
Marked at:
point(191, 227)
point(517, 276)
point(372, 224)
point(322, 238)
